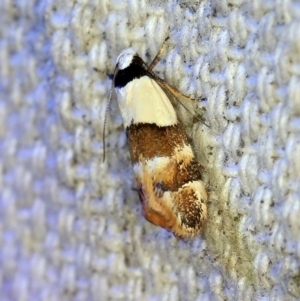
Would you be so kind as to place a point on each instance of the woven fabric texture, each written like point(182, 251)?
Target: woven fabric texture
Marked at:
point(71, 226)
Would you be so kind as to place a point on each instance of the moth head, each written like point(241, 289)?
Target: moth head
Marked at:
point(125, 58)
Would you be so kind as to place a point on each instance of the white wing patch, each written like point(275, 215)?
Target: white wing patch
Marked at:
point(143, 101)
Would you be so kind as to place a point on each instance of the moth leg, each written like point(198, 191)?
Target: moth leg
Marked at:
point(141, 194)
point(157, 57)
point(161, 82)
point(173, 90)
point(158, 189)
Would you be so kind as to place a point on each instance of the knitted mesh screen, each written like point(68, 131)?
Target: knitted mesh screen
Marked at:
point(71, 226)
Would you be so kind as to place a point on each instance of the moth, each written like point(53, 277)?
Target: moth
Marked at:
point(167, 175)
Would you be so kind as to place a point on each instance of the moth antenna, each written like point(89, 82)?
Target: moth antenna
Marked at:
point(106, 110)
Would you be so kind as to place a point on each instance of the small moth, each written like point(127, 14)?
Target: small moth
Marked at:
point(167, 174)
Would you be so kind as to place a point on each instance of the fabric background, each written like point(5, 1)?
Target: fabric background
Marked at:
point(71, 226)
